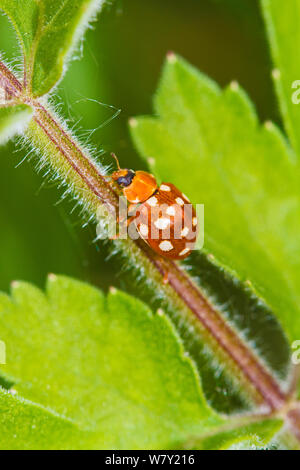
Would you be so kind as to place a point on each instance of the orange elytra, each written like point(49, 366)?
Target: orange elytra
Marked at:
point(164, 217)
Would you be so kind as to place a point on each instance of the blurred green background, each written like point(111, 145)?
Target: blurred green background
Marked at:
point(120, 65)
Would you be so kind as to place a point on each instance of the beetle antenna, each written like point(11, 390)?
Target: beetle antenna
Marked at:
point(116, 158)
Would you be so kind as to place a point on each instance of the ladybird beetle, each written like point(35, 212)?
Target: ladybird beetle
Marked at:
point(163, 216)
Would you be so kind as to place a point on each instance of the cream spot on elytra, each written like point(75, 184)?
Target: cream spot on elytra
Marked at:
point(162, 223)
point(164, 187)
point(143, 229)
point(184, 251)
point(171, 210)
point(179, 201)
point(184, 232)
point(152, 201)
point(166, 246)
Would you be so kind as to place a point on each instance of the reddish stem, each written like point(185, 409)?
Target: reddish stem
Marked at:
point(9, 82)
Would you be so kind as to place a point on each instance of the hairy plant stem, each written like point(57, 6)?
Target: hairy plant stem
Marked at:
point(75, 165)
point(9, 82)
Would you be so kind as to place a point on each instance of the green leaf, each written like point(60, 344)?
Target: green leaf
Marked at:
point(30, 426)
point(282, 22)
point(210, 144)
point(107, 370)
point(48, 31)
point(252, 436)
point(108, 365)
point(13, 120)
